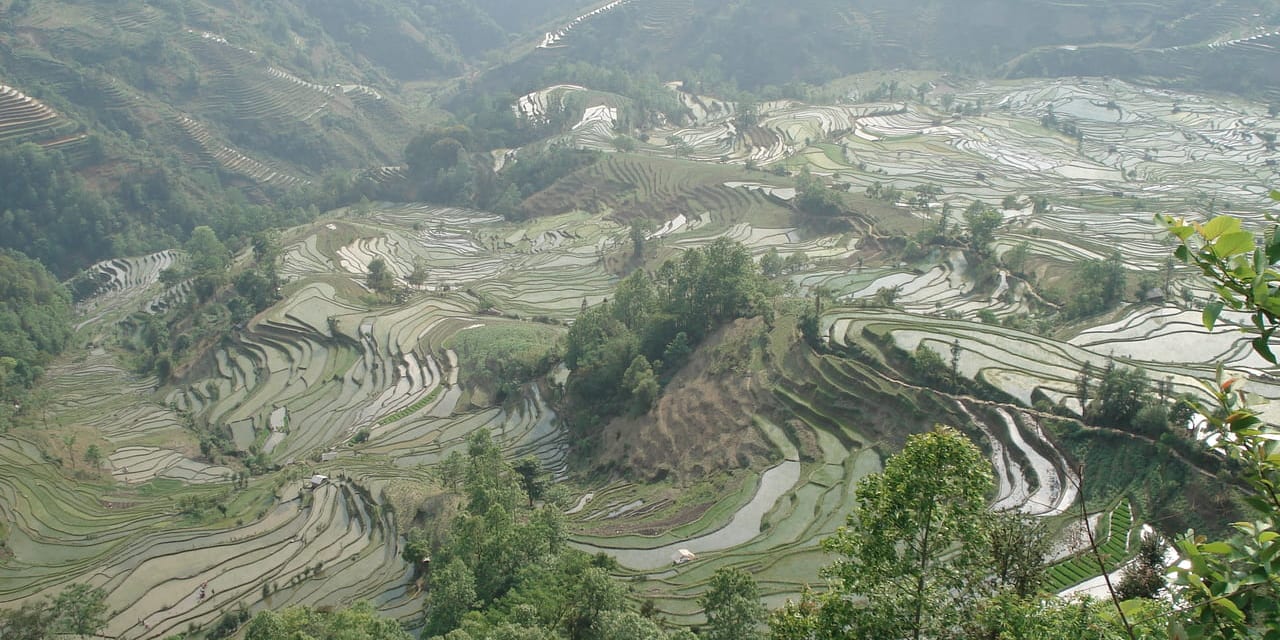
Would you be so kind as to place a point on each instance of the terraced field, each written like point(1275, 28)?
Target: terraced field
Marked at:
point(26, 119)
point(332, 360)
point(233, 161)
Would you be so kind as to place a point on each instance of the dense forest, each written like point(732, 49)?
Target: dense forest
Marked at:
point(35, 322)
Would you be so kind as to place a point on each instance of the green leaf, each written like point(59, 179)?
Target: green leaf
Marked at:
point(1219, 226)
point(1217, 548)
point(1273, 244)
point(1211, 313)
point(1275, 195)
point(1262, 346)
point(1233, 243)
point(1230, 609)
point(1131, 608)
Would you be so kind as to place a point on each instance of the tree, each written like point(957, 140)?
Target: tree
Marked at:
point(1084, 386)
point(1018, 545)
point(640, 380)
point(594, 596)
point(1009, 617)
point(452, 595)
point(1098, 285)
point(1040, 204)
point(1119, 397)
point(796, 261)
point(677, 353)
point(1145, 577)
point(983, 222)
point(93, 456)
point(635, 300)
point(31, 621)
point(206, 252)
point(1009, 202)
point(639, 230)
point(813, 196)
point(360, 620)
point(35, 322)
point(418, 276)
point(732, 606)
point(452, 470)
point(380, 279)
point(1016, 258)
point(771, 263)
point(627, 625)
point(80, 609)
point(532, 477)
point(914, 544)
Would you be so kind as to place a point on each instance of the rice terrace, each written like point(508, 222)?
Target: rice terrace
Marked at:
point(326, 327)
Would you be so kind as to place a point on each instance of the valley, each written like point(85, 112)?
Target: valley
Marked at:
point(291, 454)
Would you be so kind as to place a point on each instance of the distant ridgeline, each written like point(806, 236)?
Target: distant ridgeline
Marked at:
point(755, 44)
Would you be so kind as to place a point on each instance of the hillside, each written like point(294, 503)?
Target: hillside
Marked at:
point(751, 45)
point(557, 291)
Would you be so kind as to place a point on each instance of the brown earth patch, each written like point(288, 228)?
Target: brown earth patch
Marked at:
point(701, 425)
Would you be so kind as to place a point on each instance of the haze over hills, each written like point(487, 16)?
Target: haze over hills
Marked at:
point(557, 319)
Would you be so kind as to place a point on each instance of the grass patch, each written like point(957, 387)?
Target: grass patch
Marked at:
point(505, 355)
point(413, 408)
point(1114, 548)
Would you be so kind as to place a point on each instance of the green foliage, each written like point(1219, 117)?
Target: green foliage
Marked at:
point(380, 279)
point(1145, 578)
point(78, 609)
point(813, 196)
point(444, 167)
point(1011, 617)
point(1119, 396)
point(1232, 586)
point(452, 595)
point(771, 263)
point(930, 369)
point(1097, 286)
point(982, 222)
point(928, 504)
point(705, 289)
point(1016, 258)
point(49, 213)
point(1243, 270)
point(505, 356)
point(207, 255)
point(35, 321)
point(642, 384)
point(533, 479)
point(360, 620)
point(537, 170)
point(677, 352)
point(504, 570)
point(1018, 545)
point(732, 606)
